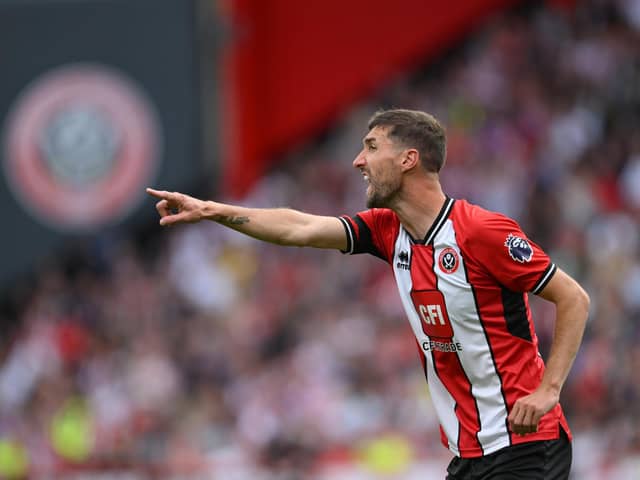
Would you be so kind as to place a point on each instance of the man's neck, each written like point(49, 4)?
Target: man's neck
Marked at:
point(418, 205)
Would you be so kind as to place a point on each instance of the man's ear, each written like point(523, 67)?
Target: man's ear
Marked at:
point(410, 159)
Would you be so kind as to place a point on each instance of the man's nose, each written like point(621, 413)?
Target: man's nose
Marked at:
point(359, 162)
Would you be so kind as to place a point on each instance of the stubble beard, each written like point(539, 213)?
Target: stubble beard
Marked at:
point(381, 196)
point(376, 201)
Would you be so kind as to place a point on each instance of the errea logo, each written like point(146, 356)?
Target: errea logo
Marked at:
point(403, 264)
point(519, 248)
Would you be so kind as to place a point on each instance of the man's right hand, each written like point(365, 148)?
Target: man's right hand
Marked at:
point(175, 207)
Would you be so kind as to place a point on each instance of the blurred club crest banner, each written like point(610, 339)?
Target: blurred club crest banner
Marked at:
point(98, 99)
point(82, 141)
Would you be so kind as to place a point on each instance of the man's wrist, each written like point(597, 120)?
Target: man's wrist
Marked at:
point(207, 211)
point(552, 387)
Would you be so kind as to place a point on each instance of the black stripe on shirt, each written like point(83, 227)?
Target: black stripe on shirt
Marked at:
point(515, 314)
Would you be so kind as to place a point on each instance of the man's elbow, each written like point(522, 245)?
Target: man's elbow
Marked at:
point(290, 240)
point(299, 237)
point(584, 300)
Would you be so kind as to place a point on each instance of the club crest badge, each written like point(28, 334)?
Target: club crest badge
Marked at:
point(448, 260)
point(519, 248)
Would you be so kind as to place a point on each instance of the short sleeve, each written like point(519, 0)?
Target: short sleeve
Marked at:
point(370, 231)
point(501, 247)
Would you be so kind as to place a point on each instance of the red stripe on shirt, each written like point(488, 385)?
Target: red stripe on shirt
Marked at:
point(446, 364)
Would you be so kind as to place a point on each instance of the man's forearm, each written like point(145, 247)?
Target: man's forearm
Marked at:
point(230, 220)
point(275, 225)
point(282, 226)
point(571, 318)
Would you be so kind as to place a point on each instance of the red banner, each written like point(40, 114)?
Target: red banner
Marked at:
point(293, 66)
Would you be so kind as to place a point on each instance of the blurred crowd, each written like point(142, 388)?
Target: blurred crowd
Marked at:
point(195, 352)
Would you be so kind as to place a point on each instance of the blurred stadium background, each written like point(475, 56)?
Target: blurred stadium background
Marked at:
point(131, 352)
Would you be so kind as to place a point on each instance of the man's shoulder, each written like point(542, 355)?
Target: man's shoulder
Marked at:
point(384, 215)
point(384, 212)
point(476, 224)
point(475, 215)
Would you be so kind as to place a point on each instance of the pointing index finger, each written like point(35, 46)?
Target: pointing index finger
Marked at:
point(159, 193)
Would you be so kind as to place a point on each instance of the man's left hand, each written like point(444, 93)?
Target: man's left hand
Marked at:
point(527, 411)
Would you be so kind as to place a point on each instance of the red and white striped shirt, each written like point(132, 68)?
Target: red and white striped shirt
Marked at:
point(464, 289)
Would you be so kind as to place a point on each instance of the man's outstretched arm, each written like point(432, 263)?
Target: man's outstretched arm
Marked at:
point(282, 226)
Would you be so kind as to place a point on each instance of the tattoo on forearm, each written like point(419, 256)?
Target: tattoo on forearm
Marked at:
point(232, 220)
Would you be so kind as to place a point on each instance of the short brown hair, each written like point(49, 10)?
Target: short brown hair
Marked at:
point(415, 129)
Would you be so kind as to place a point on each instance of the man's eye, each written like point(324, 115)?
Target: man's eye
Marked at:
point(372, 147)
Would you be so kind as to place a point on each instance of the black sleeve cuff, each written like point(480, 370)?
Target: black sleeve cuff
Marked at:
point(544, 279)
point(348, 229)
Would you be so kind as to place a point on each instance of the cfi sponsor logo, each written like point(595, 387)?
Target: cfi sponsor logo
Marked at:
point(519, 248)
